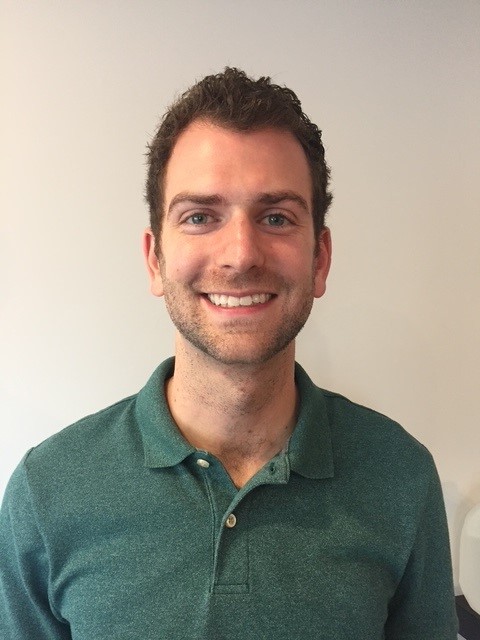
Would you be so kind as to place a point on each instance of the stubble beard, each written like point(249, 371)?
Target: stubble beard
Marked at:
point(226, 344)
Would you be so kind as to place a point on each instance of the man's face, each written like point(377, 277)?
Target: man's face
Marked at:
point(237, 262)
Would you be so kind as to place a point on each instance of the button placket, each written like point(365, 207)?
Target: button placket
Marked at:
point(231, 551)
point(231, 554)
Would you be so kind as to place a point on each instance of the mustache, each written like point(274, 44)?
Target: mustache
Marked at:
point(265, 281)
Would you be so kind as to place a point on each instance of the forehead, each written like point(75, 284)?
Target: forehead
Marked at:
point(208, 158)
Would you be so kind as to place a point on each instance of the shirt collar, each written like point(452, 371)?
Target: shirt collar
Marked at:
point(309, 450)
point(310, 446)
point(163, 444)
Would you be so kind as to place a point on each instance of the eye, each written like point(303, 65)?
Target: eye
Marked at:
point(275, 220)
point(198, 219)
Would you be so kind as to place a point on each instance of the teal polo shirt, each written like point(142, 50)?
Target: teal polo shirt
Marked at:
point(118, 528)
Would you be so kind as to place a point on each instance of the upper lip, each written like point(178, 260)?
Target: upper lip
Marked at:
point(239, 294)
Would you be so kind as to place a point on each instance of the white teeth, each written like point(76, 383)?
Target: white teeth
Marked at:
point(221, 300)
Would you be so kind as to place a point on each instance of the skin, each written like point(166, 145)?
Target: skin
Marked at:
point(237, 223)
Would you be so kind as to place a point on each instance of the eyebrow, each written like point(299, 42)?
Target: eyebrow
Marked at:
point(282, 196)
point(269, 198)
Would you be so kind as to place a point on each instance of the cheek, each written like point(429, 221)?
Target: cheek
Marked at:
point(182, 264)
point(297, 266)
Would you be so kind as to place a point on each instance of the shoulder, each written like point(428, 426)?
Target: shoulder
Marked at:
point(362, 440)
point(78, 454)
point(83, 436)
point(100, 447)
point(357, 422)
point(377, 449)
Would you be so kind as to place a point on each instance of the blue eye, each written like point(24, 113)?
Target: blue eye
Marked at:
point(198, 219)
point(276, 220)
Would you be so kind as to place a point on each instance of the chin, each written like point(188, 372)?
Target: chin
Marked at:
point(243, 355)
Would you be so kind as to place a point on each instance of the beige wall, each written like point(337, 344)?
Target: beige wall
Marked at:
point(394, 85)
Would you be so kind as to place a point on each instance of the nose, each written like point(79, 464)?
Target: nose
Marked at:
point(241, 246)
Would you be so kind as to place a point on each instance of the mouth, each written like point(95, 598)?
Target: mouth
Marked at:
point(226, 301)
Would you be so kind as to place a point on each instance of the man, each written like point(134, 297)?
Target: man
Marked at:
point(230, 498)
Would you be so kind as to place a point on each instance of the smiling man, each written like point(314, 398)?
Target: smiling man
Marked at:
point(231, 497)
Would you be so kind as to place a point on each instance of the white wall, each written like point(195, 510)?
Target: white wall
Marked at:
point(395, 87)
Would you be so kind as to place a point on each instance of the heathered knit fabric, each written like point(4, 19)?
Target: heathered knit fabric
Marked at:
point(111, 529)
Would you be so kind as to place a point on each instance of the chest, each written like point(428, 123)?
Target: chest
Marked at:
point(192, 557)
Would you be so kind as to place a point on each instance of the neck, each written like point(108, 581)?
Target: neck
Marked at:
point(243, 414)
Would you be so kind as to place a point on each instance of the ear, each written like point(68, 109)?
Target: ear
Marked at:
point(152, 263)
point(322, 262)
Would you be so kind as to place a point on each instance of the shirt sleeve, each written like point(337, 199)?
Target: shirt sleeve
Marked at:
point(423, 607)
point(25, 610)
